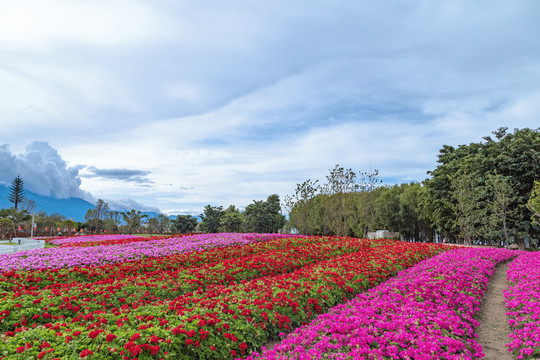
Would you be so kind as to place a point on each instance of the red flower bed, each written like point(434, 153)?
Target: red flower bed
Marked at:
point(122, 241)
point(213, 304)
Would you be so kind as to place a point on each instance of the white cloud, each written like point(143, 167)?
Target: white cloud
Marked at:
point(43, 170)
point(37, 24)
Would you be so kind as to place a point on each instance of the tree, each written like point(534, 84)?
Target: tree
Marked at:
point(232, 220)
point(400, 209)
point(369, 182)
point(95, 217)
point(16, 191)
point(503, 197)
point(264, 216)
point(47, 223)
point(133, 220)
point(68, 225)
point(341, 184)
point(514, 156)
point(153, 225)
point(467, 210)
point(211, 219)
point(28, 205)
point(7, 226)
point(164, 223)
point(184, 224)
point(534, 203)
point(112, 220)
point(298, 207)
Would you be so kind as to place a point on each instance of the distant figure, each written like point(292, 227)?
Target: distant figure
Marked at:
point(444, 240)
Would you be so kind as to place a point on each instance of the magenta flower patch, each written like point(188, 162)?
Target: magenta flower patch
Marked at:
point(426, 312)
point(523, 304)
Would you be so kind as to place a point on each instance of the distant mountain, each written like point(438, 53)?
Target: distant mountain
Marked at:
point(72, 208)
point(173, 217)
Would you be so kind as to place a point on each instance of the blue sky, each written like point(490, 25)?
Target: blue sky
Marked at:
point(179, 104)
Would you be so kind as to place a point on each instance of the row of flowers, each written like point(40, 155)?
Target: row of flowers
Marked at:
point(426, 312)
point(523, 305)
point(16, 281)
point(136, 289)
point(90, 256)
point(218, 322)
point(70, 240)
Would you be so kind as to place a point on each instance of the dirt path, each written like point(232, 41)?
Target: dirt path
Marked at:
point(494, 330)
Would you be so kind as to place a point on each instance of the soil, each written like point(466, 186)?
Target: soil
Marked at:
point(494, 329)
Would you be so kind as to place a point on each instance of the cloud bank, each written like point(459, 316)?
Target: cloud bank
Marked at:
point(43, 171)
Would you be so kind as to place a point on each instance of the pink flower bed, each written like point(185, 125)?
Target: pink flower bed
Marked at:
point(107, 254)
point(523, 304)
point(424, 313)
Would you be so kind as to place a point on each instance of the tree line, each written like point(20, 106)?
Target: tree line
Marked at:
point(260, 217)
point(479, 193)
point(486, 192)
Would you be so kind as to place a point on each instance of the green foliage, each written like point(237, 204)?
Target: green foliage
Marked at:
point(68, 225)
point(301, 215)
point(133, 220)
point(264, 216)
point(95, 218)
point(211, 219)
point(534, 203)
point(7, 226)
point(16, 191)
point(184, 224)
point(401, 208)
point(232, 220)
point(344, 206)
point(479, 191)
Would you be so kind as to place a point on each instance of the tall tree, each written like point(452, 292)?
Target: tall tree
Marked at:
point(96, 217)
point(164, 223)
point(298, 206)
point(68, 225)
point(400, 209)
point(514, 156)
point(467, 210)
point(503, 196)
point(16, 191)
point(370, 181)
point(341, 184)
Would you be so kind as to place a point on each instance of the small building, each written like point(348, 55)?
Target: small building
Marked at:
point(383, 234)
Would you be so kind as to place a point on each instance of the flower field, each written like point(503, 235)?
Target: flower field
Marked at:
point(224, 296)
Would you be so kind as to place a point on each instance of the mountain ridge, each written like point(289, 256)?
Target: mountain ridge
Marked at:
point(72, 208)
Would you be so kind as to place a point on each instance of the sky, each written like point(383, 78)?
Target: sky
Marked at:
point(173, 105)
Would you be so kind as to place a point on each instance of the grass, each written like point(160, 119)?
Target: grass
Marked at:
point(8, 243)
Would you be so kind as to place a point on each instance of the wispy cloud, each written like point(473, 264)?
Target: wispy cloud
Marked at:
point(138, 176)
